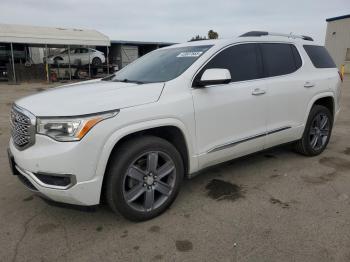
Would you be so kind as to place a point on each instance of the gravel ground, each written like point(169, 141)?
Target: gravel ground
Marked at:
point(272, 206)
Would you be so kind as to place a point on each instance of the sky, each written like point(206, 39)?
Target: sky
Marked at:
point(179, 20)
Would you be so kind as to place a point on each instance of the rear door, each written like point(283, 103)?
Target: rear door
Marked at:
point(71, 57)
point(288, 96)
point(231, 118)
point(84, 56)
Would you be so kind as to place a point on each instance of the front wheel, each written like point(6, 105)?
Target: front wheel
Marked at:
point(317, 132)
point(144, 178)
point(96, 61)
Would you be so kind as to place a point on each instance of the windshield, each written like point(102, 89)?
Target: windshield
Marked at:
point(160, 65)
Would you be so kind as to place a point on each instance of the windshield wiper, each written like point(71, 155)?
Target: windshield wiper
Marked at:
point(125, 80)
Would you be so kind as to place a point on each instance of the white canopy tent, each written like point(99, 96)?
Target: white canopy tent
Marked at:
point(43, 36)
point(25, 34)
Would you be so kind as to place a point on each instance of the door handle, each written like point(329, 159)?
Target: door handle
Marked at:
point(258, 92)
point(309, 84)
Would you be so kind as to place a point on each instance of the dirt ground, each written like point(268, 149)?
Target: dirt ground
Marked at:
point(273, 206)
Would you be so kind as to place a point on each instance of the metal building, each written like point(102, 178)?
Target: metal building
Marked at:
point(338, 40)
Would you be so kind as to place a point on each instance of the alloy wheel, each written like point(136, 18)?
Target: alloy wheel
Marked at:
point(319, 131)
point(149, 181)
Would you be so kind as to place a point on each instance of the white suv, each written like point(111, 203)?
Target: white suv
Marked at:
point(132, 137)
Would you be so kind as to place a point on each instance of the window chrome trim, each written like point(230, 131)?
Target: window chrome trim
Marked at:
point(246, 139)
point(251, 42)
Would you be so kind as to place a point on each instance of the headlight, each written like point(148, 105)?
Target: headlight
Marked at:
point(70, 128)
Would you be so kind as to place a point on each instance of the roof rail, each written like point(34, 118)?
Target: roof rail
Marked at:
point(265, 33)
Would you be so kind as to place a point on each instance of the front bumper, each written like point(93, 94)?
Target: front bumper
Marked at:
point(73, 160)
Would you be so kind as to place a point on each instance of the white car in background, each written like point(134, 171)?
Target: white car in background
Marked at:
point(78, 56)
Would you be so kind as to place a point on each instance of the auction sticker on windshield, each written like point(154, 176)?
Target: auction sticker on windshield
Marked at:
point(189, 54)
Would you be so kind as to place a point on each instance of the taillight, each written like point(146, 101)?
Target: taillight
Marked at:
point(341, 76)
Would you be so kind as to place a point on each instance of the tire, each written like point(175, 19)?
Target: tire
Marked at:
point(133, 177)
point(315, 138)
point(96, 61)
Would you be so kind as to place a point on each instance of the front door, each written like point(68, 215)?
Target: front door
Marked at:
point(231, 118)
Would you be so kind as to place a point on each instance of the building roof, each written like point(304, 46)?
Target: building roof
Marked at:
point(141, 43)
point(40, 35)
point(337, 18)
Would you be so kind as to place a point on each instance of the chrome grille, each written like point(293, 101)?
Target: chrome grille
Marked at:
point(22, 127)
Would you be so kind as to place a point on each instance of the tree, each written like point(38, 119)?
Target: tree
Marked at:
point(198, 38)
point(212, 34)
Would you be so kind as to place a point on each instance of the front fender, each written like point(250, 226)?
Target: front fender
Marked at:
point(136, 127)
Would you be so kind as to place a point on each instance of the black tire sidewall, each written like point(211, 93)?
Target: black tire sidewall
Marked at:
point(305, 140)
point(116, 173)
point(96, 61)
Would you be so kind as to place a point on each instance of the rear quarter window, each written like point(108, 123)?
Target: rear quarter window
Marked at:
point(319, 56)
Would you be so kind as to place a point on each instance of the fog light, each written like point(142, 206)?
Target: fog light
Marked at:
point(55, 180)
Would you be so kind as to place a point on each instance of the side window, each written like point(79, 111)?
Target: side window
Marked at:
point(241, 60)
point(319, 56)
point(84, 50)
point(297, 58)
point(279, 59)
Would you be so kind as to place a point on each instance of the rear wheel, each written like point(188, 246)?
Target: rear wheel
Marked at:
point(57, 60)
point(317, 132)
point(144, 178)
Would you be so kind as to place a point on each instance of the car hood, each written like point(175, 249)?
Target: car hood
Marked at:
point(90, 97)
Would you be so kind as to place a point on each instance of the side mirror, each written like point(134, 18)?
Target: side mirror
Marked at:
point(214, 76)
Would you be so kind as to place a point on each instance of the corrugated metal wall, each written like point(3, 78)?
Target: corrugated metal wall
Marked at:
point(129, 54)
point(122, 55)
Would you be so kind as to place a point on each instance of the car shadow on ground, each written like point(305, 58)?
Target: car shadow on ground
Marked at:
point(211, 177)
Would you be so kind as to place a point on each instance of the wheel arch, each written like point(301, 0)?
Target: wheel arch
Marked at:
point(170, 133)
point(326, 99)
